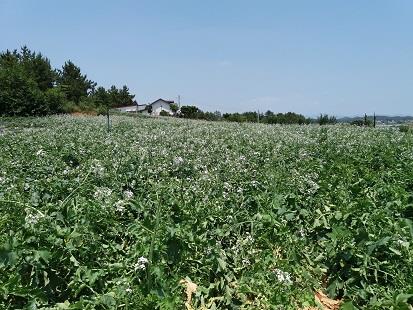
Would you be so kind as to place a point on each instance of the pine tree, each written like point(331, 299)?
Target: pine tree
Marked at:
point(74, 84)
point(26, 84)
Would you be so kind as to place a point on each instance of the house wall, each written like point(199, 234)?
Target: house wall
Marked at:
point(131, 108)
point(160, 105)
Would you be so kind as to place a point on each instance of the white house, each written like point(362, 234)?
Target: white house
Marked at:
point(156, 107)
point(141, 107)
point(129, 108)
point(134, 107)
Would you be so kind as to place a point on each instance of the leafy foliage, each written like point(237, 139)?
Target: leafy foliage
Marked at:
point(252, 216)
point(164, 113)
point(74, 84)
point(29, 86)
point(191, 112)
point(174, 107)
point(324, 119)
point(247, 117)
point(26, 81)
point(364, 122)
point(405, 128)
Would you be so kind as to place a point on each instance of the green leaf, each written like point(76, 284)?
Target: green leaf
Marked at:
point(7, 258)
point(222, 264)
point(395, 251)
point(74, 260)
point(42, 254)
point(64, 305)
point(289, 216)
point(348, 306)
point(338, 215)
point(32, 305)
point(108, 299)
point(402, 298)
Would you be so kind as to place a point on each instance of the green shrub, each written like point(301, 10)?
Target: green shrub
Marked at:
point(405, 128)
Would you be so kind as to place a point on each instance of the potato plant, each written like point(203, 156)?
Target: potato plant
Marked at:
point(253, 216)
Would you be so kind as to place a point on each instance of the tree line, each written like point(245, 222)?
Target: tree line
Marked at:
point(29, 86)
point(268, 117)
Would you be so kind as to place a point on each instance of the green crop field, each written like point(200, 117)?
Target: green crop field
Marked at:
point(176, 214)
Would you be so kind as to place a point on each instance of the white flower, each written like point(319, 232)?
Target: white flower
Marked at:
point(143, 260)
point(282, 276)
point(32, 218)
point(128, 290)
point(141, 264)
point(249, 238)
point(178, 161)
point(98, 169)
point(102, 193)
point(120, 206)
point(246, 262)
point(40, 152)
point(127, 194)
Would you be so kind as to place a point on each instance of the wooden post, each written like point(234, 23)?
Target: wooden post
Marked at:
point(108, 121)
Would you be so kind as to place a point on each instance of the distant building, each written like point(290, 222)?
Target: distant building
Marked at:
point(153, 108)
point(129, 108)
point(156, 107)
point(141, 107)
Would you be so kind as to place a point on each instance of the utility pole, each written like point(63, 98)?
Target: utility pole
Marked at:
point(108, 119)
point(258, 116)
point(179, 101)
point(374, 120)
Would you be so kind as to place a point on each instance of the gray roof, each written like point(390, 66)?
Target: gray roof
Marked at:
point(167, 101)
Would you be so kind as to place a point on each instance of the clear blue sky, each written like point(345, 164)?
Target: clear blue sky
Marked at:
point(338, 57)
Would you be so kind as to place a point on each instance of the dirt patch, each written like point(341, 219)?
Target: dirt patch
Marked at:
point(190, 289)
point(327, 303)
point(324, 302)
